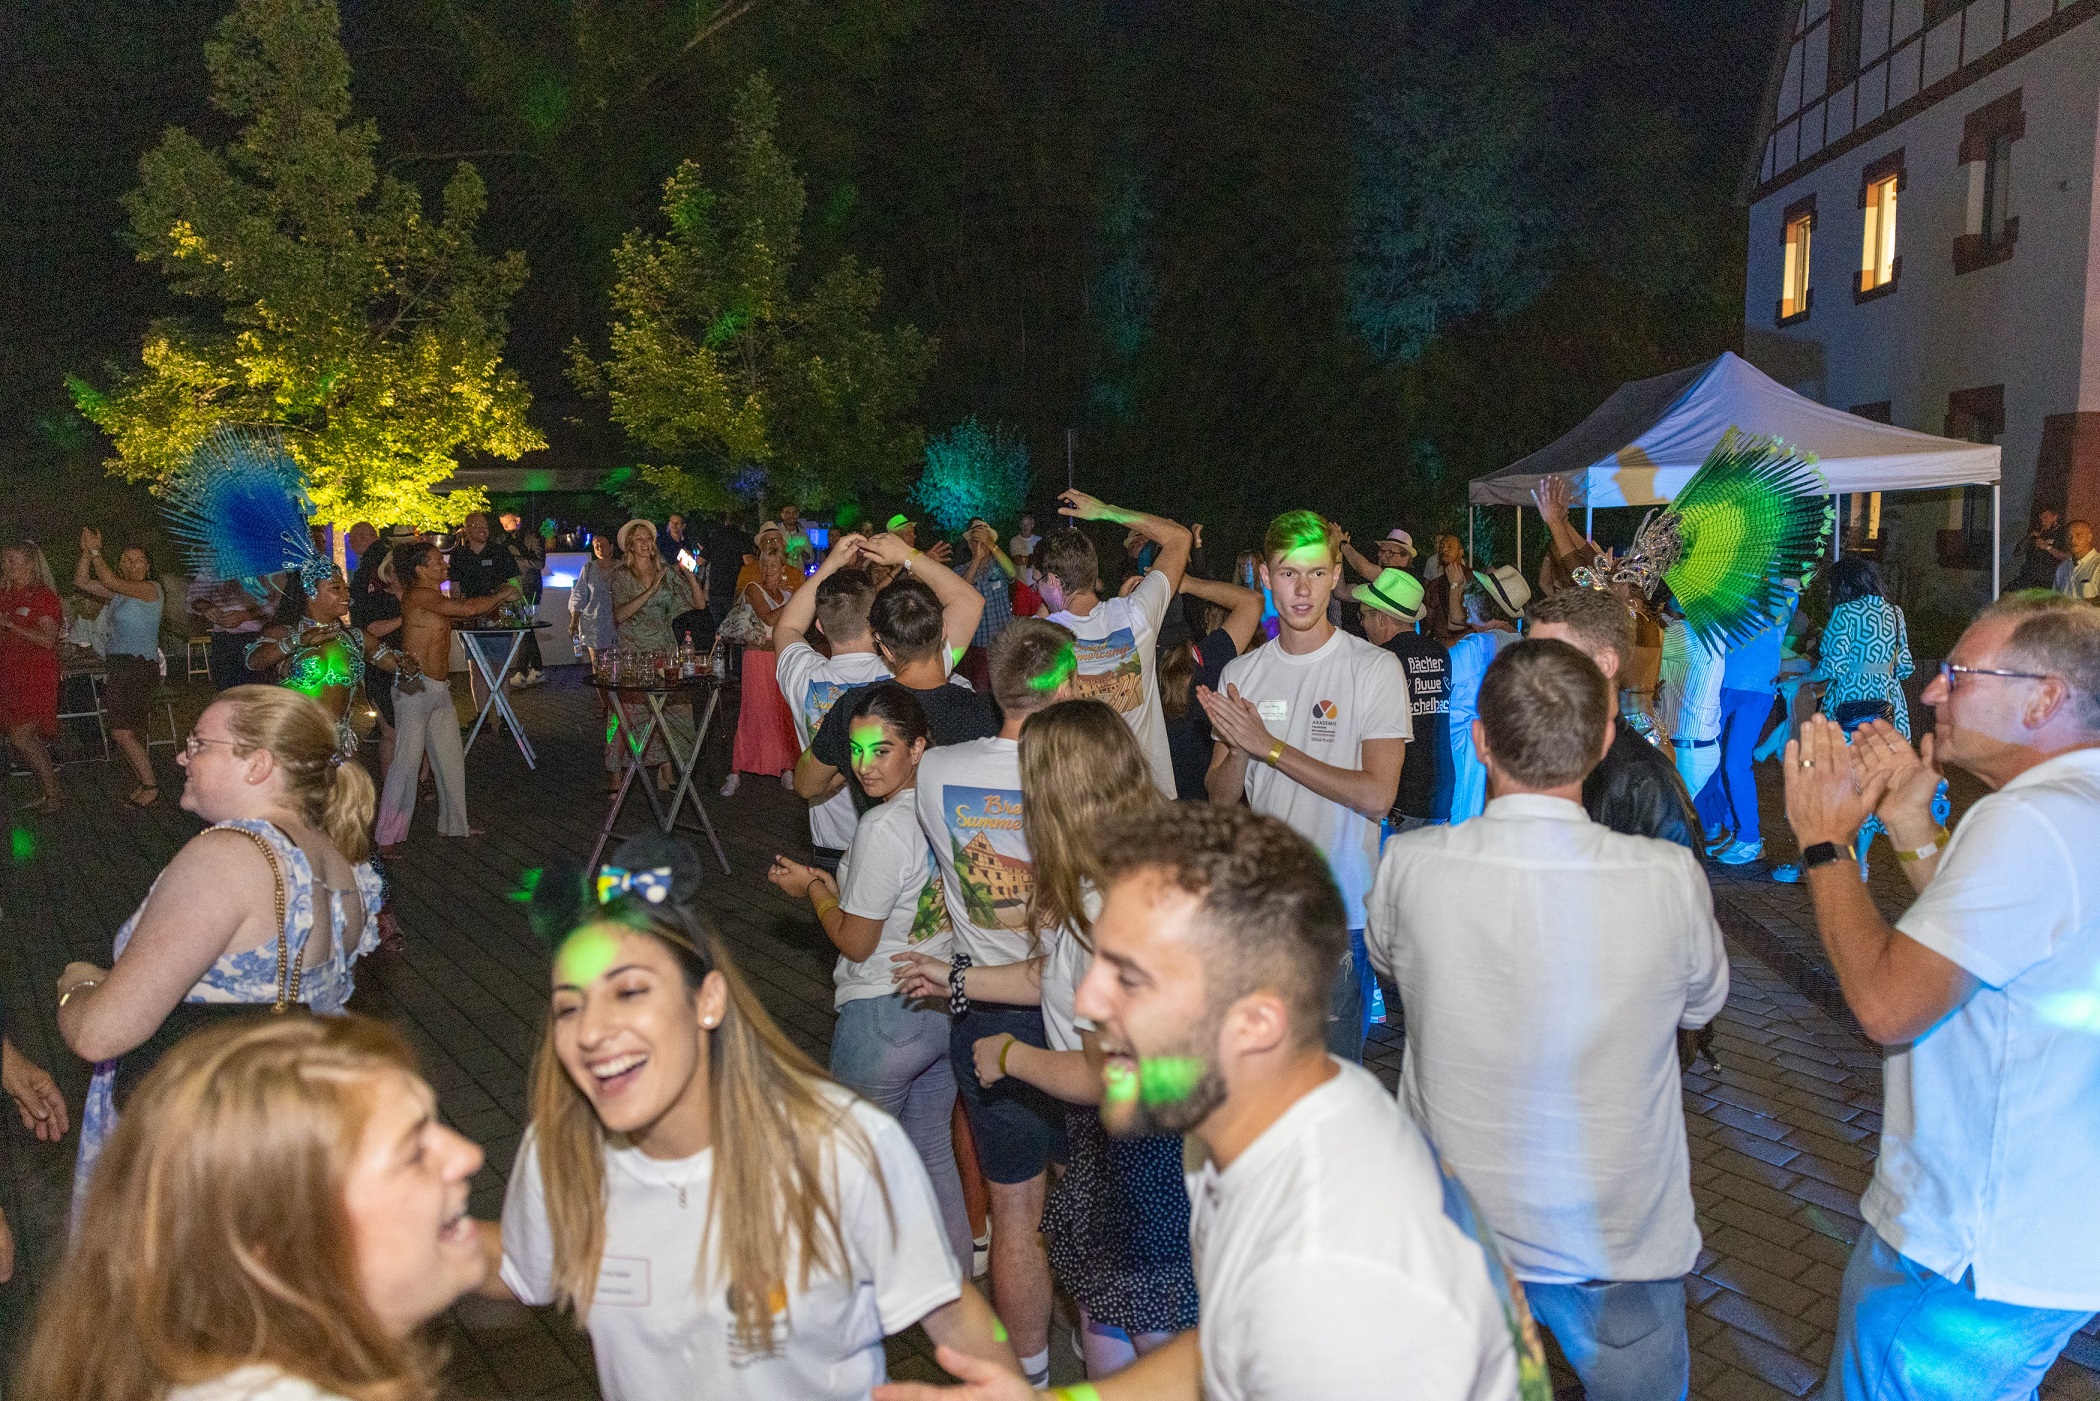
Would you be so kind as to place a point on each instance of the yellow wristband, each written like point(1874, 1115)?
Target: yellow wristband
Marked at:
point(1010, 1040)
point(1078, 1391)
point(1906, 855)
point(824, 907)
point(1275, 754)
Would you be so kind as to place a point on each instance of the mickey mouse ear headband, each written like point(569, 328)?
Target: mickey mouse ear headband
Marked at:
point(653, 869)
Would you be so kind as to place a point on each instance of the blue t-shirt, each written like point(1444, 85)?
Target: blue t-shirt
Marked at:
point(1754, 666)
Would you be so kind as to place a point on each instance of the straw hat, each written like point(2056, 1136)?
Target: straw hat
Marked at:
point(1395, 593)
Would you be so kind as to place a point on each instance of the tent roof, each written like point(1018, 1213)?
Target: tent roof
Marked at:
point(1645, 441)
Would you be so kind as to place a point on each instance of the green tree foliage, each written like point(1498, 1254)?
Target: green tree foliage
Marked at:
point(735, 377)
point(973, 473)
point(369, 333)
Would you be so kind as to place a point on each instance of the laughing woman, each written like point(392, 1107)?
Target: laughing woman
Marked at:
point(724, 1219)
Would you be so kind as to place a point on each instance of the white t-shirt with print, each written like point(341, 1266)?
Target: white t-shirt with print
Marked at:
point(811, 683)
point(888, 874)
point(1116, 650)
point(969, 799)
point(656, 1334)
point(1329, 1269)
point(1324, 703)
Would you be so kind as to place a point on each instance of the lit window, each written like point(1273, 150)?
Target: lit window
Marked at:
point(1877, 254)
point(1793, 285)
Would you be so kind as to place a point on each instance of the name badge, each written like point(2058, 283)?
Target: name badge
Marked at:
point(622, 1281)
point(1273, 712)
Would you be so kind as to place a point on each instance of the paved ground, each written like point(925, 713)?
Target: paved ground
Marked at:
point(1783, 1127)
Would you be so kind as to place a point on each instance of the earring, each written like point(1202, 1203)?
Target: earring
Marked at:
point(709, 1023)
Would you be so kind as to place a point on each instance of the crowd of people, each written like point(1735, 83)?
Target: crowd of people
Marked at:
point(1121, 862)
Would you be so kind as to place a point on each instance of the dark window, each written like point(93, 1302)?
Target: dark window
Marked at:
point(1988, 134)
point(1997, 192)
point(1977, 416)
point(1876, 412)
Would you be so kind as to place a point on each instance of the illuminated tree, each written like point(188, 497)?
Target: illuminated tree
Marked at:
point(369, 334)
point(973, 474)
point(732, 376)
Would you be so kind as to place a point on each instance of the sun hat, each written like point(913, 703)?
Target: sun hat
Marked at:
point(1505, 588)
point(774, 528)
point(620, 535)
point(1402, 537)
point(1395, 593)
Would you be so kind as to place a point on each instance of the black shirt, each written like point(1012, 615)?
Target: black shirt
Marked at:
point(1425, 774)
point(480, 574)
point(1189, 740)
point(1637, 791)
point(954, 714)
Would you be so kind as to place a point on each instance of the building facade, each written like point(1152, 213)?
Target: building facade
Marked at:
point(1924, 249)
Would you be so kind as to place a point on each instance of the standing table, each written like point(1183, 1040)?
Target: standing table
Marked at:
point(634, 725)
point(483, 644)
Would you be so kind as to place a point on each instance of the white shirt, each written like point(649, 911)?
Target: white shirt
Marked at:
point(2080, 577)
point(969, 801)
point(657, 1335)
point(1328, 1268)
point(811, 683)
point(1022, 545)
point(888, 874)
point(1117, 647)
point(256, 1382)
point(1991, 1120)
point(1064, 969)
point(1546, 963)
point(1325, 703)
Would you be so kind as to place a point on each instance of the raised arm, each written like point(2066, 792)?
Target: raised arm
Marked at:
point(1174, 538)
point(1369, 570)
point(1570, 549)
point(1243, 615)
point(961, 605)
point(793, 624)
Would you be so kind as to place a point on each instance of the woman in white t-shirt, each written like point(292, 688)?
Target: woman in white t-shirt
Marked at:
point(723, 1218)
point(1118, 1219)
point(274, 1218)
point(886, 899)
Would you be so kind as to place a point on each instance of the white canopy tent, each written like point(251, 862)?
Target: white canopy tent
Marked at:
point(1645, 441)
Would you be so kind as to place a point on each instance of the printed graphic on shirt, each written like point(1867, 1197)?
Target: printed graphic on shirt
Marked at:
point(776, 1304)
point(931, 917)
point(1110, 669)
point(991, 854)
point(1425, 685)
point(1326, 722)
point(818, 700)
point(623, 1282)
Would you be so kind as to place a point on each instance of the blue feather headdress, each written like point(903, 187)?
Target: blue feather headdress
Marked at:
point(239, 507)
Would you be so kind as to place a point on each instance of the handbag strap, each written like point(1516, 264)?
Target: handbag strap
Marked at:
point(288, 976)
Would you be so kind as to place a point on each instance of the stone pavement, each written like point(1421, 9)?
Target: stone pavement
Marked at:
point(1783, 1127)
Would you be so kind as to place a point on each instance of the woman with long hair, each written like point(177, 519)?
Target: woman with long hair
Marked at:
point(276, 1218)
point(1118, 1219)
point(311, 647)
point(271, 905)
point(886, 899)
point(647, 597)
point(591, 629)
point(31, 620)
point(132, 663)
point(765, 732)
point(722, 1217)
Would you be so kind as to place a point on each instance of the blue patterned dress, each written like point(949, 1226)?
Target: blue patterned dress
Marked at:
point(1865, 656)
point(251, 977)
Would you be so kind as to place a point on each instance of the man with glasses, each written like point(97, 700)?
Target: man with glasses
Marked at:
point(1977, 1262)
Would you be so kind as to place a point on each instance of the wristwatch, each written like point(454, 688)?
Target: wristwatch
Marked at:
point(1818, 854)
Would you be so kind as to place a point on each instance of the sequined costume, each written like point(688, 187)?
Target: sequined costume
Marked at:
point(325, 662)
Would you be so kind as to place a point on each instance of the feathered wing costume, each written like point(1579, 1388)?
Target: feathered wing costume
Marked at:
point(239, 507)
point(1755, 513)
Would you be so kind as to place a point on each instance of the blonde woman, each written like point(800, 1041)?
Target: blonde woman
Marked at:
point(724, 1219)
point(289, 818)
point(647, 596)
point(1118, 1220)
point(765, 731)
point(276, 1218)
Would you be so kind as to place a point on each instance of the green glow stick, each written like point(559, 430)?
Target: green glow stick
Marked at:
point(23, 842)
point(1077, 1391)
point(1119, 1083)
point(1168, 1079)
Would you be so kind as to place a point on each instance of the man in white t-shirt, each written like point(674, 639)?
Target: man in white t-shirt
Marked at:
point(1983, 1226)
point(1117, 637)
point(1312, 728)
point(969, 798)
point(1025, 539)
point(1546, 964)
point(1334, 1259)
point(837, 597)
point(2079, 575)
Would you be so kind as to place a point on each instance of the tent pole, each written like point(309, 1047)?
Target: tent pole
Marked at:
point(1589, 518)
point(1995, 548)
point(1837, 529)
point(1471, 512)
point(1520, 539)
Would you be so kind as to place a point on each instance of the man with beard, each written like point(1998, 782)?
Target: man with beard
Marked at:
point(1329, 1248)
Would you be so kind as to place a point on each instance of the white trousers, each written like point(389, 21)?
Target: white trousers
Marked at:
point(425, 722)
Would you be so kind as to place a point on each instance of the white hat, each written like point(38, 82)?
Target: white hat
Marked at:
point(1396, 533)
point(1506, 589)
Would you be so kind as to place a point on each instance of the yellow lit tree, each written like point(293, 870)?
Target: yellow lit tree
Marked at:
point(369, 334)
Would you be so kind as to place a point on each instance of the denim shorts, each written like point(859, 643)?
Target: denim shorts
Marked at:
point(1019, 1129)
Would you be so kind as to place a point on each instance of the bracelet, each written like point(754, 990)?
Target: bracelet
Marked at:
point(1010, 1040)
point(825, 907)
point(82, 986)
point(909, 558)
point(958, 1000)
point(1907, 855)
point(1078, 1391)
point(1275, 753)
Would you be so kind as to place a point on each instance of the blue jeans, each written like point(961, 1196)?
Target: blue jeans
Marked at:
point(1349, 1004)
point(894, 1054)
point(1905, 1333)
point(1626, 1339)
point(1729, 798)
